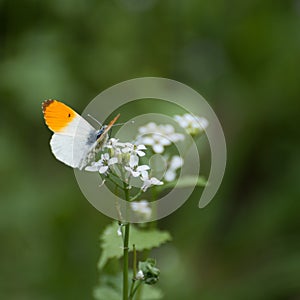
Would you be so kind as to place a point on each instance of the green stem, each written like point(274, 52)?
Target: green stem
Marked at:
point(134, 290)
point(134, 272)
point(113, 181)
point(136, 196)
point(125, 263)
point(125, 249)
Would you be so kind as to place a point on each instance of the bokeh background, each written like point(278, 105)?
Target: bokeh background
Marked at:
point(242, 56)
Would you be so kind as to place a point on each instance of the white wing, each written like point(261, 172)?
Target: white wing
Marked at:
point(74, 143)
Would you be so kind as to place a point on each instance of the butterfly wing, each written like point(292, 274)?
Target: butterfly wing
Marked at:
point(73, 136)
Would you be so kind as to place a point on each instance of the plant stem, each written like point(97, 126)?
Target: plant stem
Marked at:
point(134, 272)
point(125, 249)
point(113, 181)
point(125, 263)
point(134, 290)
point(131, 289)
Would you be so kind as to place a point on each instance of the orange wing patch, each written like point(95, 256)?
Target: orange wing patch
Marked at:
point(57, 115)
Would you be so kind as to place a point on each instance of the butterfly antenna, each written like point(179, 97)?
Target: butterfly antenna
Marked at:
point(119, 124)
point(95, 120)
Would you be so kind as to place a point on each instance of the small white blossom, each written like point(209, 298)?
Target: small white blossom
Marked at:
point(119, 231)
point(137, 171)
point(175, 163)
point(142, 208)
point(125, 151)
point(158, 136)
point(94, 167)
point(139, 275)
point(114, 143)
point(115, 148)
point(103, 164)
point(148, 182)
point(193, 124)
point(134, 149)
point(134, 168)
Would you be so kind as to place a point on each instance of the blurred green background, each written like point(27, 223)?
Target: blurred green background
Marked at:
point(242, 56)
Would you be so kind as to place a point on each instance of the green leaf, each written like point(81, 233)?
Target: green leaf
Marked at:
point(112, 244)
point(109, 288)
point(186, 181)
point(147, 239)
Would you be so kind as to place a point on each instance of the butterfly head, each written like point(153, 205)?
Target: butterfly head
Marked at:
point(100, 131)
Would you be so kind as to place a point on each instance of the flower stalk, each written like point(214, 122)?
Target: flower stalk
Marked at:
point(125, 262)
point(125, 249)
point(128, 169)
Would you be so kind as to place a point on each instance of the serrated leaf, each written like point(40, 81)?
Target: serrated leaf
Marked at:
point(112, 244)
point(186, 181)
point(147, 239)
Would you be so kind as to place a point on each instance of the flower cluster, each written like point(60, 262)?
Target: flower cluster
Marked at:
point(158, 136)
point(123, 160)
point(192, 124)
point(142, 208)
point(175, 163)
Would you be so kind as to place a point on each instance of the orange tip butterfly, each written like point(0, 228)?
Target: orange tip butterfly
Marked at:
point(75, 141)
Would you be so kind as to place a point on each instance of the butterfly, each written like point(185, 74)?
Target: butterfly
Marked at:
point(75, 141)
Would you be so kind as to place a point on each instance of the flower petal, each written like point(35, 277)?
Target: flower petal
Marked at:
point(170, 175)
point(176, 162)
point(158, 148)
point(141, 147)
point(112, 161)
point(155, 181)
point(103, 169)
point(147, 140)
point(142, 168)
point(133, 161)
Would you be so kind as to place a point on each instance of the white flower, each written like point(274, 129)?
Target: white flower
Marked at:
point(134, 168)
point(142, 208)
point(137, 170)
point(157, 142)
point(134, 149)
point(175, 163)
point(158, 136)
point(125, 151)
point(114, 143)
point(115, 148)
point(94, 167)
point(102, 165)
point(119, 231)
point(193, 124)
point(139, 275)
point(148, 182)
